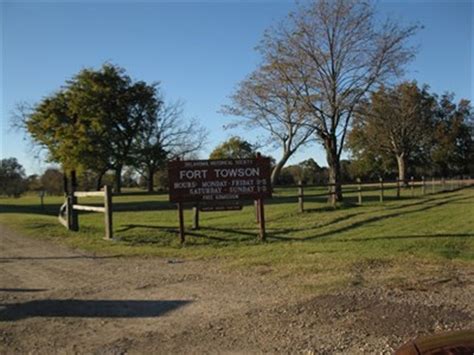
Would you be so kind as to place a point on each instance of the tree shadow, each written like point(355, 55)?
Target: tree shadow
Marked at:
point(89, 309)
point(47, 210)
point(281, 234)
point(412, 236)
point(368, 221)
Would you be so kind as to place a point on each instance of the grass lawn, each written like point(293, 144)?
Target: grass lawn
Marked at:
point(326, 246)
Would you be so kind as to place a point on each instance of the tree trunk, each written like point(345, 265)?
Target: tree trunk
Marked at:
point(149, 179)
point(277, 168)
point(98, 185)
point(334, 167)
point(118, 179)
point(401, 169)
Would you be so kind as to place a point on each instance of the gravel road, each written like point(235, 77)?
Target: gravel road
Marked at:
point(57, 300)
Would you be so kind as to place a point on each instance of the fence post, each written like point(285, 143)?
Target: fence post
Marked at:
point(108, 212)
point(381, 189)
point(196, 216)
point(412, 187)
point(301, 196)
point(74, 213)
point(433, 185)
point(69, 212)
point(423, 185)
point(398, 187)
point(359, 189)
point(443, 184)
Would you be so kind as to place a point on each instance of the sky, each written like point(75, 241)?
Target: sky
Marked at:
point(198, 51)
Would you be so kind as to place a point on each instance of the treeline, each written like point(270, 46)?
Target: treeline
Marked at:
point(407, 131)
point(14, 181)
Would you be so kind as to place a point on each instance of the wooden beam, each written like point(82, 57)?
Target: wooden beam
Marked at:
point(88, 208)
point(89, 193)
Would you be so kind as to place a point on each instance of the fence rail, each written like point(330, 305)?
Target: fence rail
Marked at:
point(69, 217)
point(359, 188)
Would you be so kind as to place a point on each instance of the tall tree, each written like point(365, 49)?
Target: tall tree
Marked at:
point(395, 123)
point(116, 110)
point(93, 121)
point(12, 178)
point(234, 148)
point(332, 52)
point(453, 141)
point(262, 102)
point(169, 137)
point(52, 181)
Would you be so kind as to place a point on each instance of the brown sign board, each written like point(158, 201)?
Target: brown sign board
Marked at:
point(216, 206)
point(219, 180)
point(221, 207)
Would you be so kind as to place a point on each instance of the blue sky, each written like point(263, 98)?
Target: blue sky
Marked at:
point(199, 51)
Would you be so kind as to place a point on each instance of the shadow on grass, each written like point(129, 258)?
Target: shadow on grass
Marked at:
point(281, 235)
point(48, 210)
point(412, 236)
point(200, 233)
point(89, 309)
point(371, 220)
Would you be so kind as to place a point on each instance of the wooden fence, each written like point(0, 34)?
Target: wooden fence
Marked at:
point(69, 217)
point(381, 187)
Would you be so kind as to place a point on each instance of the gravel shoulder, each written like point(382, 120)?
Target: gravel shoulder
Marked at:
point(57, 300)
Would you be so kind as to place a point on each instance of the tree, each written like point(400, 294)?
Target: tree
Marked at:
point(52, 181)
point(234, 148)
point(33, 183)
point(453, 141)
point(116, 111)
point(262, 102)
point(93, 121)
point(169, 137)
point(12, 178)
point(332, 52)
point(307, 171)
point(395, 124)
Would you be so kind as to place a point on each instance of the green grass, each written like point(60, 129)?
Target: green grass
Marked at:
point(401, 237)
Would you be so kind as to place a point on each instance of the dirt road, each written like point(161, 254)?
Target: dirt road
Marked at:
point(56, 300)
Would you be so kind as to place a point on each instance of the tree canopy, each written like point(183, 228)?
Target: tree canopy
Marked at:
point(234, 148)
point(12, 178)
point(406, 127)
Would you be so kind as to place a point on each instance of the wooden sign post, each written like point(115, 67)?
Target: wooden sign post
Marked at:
point(261, 219)
point(219, 185)
point(181, 222)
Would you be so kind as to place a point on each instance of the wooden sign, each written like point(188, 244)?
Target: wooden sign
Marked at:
point(219, 180)
point(221, 206)
point(219, 185)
